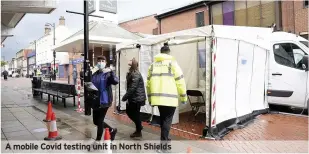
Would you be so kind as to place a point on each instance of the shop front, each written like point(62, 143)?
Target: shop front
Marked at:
point(56, 67)
point(45, 68)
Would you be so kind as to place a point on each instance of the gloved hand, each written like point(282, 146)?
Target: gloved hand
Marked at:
point(124, 98)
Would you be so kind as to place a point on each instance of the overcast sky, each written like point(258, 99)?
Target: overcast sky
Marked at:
point(31, 27)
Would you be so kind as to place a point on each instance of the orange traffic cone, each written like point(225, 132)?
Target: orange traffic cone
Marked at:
point(107, 140)
point(49, 112)
point(53, 132)
point(189, 150)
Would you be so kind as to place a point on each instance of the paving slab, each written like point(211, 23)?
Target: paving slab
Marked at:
point(13, 129)
point(17, 133)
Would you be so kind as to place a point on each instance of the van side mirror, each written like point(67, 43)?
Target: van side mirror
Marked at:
point(305, 62)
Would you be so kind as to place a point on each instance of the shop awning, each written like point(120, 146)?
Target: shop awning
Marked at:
point(100, 32)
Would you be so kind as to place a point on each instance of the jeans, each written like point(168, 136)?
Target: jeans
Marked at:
point(98, 119)
point(166, 117)
point(133, 112)
point(74, 80)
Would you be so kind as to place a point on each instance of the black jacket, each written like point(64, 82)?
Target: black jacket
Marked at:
point(135, 88)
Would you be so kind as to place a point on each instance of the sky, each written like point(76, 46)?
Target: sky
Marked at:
point(31, 27)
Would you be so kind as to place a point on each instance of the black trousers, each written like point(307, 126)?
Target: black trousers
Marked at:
point(133, 112)
point(98, 119)
point(81, 82)
point(166, 117)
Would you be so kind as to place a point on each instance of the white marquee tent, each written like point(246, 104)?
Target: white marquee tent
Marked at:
point(228, 63)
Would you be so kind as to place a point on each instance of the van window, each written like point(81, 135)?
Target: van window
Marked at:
point(306, 43)
point(289, 54)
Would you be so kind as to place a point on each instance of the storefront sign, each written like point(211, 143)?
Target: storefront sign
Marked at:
point(108, 6)
point(31, 54)
point(76, 61)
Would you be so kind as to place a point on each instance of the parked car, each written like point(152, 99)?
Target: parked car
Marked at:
point(15, 75)
point(10, 73)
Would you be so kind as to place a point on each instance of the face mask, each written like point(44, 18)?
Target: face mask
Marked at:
point(101, 65)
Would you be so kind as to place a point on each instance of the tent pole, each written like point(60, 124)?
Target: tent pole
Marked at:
point(118, 107)
point(209, 134)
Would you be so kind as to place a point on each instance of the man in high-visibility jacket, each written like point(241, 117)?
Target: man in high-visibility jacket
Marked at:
point(165, 87)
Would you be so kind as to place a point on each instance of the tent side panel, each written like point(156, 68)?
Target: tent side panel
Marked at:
point(244, 78)
point(226, 65)
point(257, 87)
point(144, 63)
point(186, 57)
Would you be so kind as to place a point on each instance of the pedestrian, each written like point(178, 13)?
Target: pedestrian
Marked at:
point(165, 86)
point(135, 96)
point(81, 75)
point(5, 75)
point(74, 75)
point(103, 79)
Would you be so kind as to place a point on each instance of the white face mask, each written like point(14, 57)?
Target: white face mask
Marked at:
point(101, 65)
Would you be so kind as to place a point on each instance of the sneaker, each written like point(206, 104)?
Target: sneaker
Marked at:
point(136, 134)
point(94, 145)
point(113, 133)
point(163, 151)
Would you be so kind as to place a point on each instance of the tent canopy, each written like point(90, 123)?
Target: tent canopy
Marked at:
point(254, 35)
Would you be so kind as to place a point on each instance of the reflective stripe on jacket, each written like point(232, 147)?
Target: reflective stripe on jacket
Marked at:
point(165, 82)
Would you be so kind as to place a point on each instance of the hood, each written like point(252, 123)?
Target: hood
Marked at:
point(162, 57)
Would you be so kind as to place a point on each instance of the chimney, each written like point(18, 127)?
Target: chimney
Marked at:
point(62, 21)
point(47, 29)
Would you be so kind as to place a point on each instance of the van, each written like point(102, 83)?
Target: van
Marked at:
point(288, 83)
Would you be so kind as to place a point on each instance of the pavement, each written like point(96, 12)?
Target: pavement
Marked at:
point(22, 120)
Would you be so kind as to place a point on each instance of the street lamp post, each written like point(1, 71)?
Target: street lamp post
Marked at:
point(54, 52)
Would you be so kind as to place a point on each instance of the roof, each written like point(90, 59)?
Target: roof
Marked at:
point(137, 18)
point(185, 8)
point(106, 29)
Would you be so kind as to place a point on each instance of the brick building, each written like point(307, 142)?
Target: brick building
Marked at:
point(289, 16)
point(147, 25)
point(295, 17)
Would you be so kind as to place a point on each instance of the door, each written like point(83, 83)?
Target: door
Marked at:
point(288, 80)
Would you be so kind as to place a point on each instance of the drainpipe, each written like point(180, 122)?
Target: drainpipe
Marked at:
point(294, 17)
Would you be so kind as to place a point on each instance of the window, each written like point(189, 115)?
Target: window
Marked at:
point(306, 3)
point(200, 19)
point(288, 54)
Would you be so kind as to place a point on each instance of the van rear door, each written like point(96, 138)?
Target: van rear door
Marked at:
point(288, 80)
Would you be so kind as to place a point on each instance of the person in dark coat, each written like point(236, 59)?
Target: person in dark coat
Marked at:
point(135, 96)
point(103, 79)
point(81, 75)
point(74, 76)
point(5, 75)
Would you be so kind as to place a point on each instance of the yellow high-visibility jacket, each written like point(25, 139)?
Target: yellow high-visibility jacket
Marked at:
point(165, 82)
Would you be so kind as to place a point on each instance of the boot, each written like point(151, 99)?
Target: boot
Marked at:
point(136, 134)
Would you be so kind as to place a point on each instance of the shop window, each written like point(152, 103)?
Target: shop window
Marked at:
point(240, 13)
point(216, 11)
point(228, 12)
point(288, 54)
point(254, 13)
point(268, 13)
point(200, 22)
